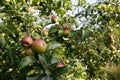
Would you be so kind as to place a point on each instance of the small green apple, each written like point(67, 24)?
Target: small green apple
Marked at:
point(45, 32)
point(30, 9)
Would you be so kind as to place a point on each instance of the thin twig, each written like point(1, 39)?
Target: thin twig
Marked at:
point(49, 78)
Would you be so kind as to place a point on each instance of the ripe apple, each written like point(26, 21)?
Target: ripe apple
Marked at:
point(53, 18)
point(60, 64)
point(45, 32)
point(66, 31)
point(29, 52)
point(39, 45)
point(58, 26)
point(30, 9)
point(27, 41)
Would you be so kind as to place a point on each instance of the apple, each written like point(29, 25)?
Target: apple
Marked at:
point(53, 18)
point(30, 9)
point(60, 64)
point(66, 31)
point(58, 26)
point(27, 41)
point(39, 45)
point(29, 51)
point(45, 32)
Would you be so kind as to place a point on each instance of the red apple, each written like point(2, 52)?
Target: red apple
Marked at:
point(27, 41)
point(60, 64)
point(39, 45)
point(53, 18)
point(29, 52)
point(66, 31)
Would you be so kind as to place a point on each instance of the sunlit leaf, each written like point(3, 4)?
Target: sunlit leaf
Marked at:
point(2, 15)
point(53, 45)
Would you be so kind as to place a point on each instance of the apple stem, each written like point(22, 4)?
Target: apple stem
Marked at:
point(28, 30)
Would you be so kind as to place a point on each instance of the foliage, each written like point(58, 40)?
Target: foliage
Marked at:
point(84, 42)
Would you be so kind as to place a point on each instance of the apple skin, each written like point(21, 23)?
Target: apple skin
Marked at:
point(27, 41)
point(45, 32)
point(39, 46)
point(53, 18)
point(66, 31)
point(30, 9)
point(60, 64)
point(29, 51)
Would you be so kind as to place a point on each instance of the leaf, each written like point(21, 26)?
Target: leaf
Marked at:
point(36, 2)
point(37, 77)
point(2, 41)
point(26, 61)
point(53, 45)
point(59, 71)
point(2, 15)
point(58, 4)
point(85, 34)
point(45, 78)
point(4, 29)
point(45, 60)
point(54, 60)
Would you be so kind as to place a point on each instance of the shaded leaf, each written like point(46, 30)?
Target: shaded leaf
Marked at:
point(58, 3)
point(45, 78)
point(85, 34)
point(37, 77)
point(26, 61)
point(4, 29)
point(2, 41)
point(45, 60)
point(60, 71)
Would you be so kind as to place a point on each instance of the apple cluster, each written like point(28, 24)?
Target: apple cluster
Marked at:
point(33, 46)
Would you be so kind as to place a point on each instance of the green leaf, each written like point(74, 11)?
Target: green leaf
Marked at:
point(36, 77)
point(2, 15)
point(53, 45)
point(60, 71)
point(35, 2)
point(54, 60)
point(85, 34)
point(58, 3)
point(4, 29)
point(60, 32)
point(45, 78)
point(2, 41)
point(45, 60)
point(26, 61)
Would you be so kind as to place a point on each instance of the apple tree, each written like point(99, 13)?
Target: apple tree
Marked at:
point(58, 40)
